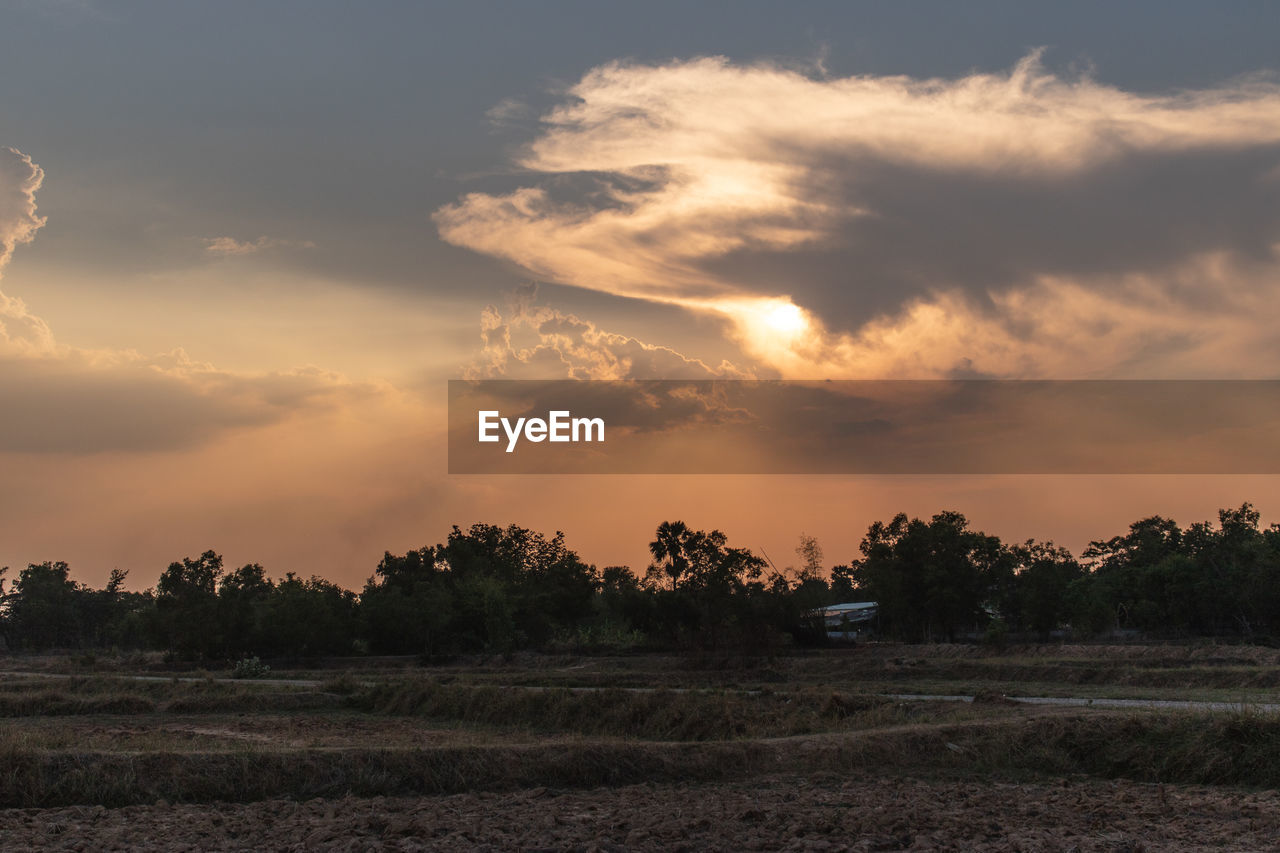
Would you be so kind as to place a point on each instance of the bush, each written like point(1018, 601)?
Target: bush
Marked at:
point(997, 634)
point(250, 668)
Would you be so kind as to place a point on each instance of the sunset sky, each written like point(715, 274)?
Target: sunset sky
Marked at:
point(244, 246)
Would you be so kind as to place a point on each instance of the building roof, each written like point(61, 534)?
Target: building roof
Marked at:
point(852, 605)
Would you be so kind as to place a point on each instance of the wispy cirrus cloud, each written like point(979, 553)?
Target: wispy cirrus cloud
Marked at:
point(232, 246)
point(1005, 224)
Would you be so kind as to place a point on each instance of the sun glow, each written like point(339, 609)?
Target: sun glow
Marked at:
point(773, 329)
point(770, 321)
point(786, 319)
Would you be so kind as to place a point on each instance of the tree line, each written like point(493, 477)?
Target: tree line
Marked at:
point(502, 589)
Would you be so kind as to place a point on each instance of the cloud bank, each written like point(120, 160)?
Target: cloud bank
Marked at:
point(1012, 224)
point(539, 342)
point(63, 399)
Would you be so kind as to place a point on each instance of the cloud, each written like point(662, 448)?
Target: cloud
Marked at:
point(231, 246)
point(64, 399)
point(562, 345)
point(899, 427)
point(75, 404)
point(508, 111)
point(890, 223)
point(20, 330)
point(19, 181)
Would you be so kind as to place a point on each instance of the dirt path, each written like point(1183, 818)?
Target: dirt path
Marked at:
point(186, 679)
point(1084, 702)
point(1063, 701)
point(787, 813)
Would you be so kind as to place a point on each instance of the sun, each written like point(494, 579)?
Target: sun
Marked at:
point(785, 319)
point(772, 329)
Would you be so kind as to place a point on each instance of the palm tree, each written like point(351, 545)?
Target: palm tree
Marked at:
point(668, 548)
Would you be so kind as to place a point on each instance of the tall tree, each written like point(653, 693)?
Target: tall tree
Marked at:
point(1045, 574)
point(46, 609)
point(243, 599)
point(931, 579)
point(187, 606)
point(668, 550)
point(709, 581)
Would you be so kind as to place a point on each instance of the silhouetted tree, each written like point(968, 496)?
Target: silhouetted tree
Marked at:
point(931, 579)
point(45, 608)
point(187, 606)
point(243, 610)
point(488, 587)
point(668, 550)
point(708, 589)
point(1044, 575)
point(407, 606)
point(513, 587)
point(309, 617)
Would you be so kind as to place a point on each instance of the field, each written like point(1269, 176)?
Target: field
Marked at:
point(860, 749)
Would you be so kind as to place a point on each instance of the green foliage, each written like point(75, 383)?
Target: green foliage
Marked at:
point(243, 609)
point(1167, 581)
point(1040, 600)
point(487, 588)
point(250, 668)
point(307, 618)
point(405, 608)
point(187, 606)
point(46, 608)
point(931, 579)
point(706, 593)
point(996, 633)
point(503, 589)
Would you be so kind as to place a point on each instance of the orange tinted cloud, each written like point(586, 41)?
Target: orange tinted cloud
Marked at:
point(1005, 224)
point(232, 246)
point(19, 180)
point(65, 399)
point(538, 342)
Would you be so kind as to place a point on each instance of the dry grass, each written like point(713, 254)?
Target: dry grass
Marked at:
point(1182, 748)
point(89, 695)
point(693, 715)
point(1222, 673)
point(112, 741)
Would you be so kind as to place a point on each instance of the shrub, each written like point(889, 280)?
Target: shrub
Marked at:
point(250, 668)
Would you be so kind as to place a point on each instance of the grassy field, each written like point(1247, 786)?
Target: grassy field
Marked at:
point(78, 732)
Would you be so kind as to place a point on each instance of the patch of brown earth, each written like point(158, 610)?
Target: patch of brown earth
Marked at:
point(780, 813)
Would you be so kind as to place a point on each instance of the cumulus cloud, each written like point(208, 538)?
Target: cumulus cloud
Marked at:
point(65, 399)
point(19, 180)
point(560, 345)
point(232, 246)
point(850, 226)
point(20, 330)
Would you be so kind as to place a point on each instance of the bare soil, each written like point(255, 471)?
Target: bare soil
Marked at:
point(828, 812)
